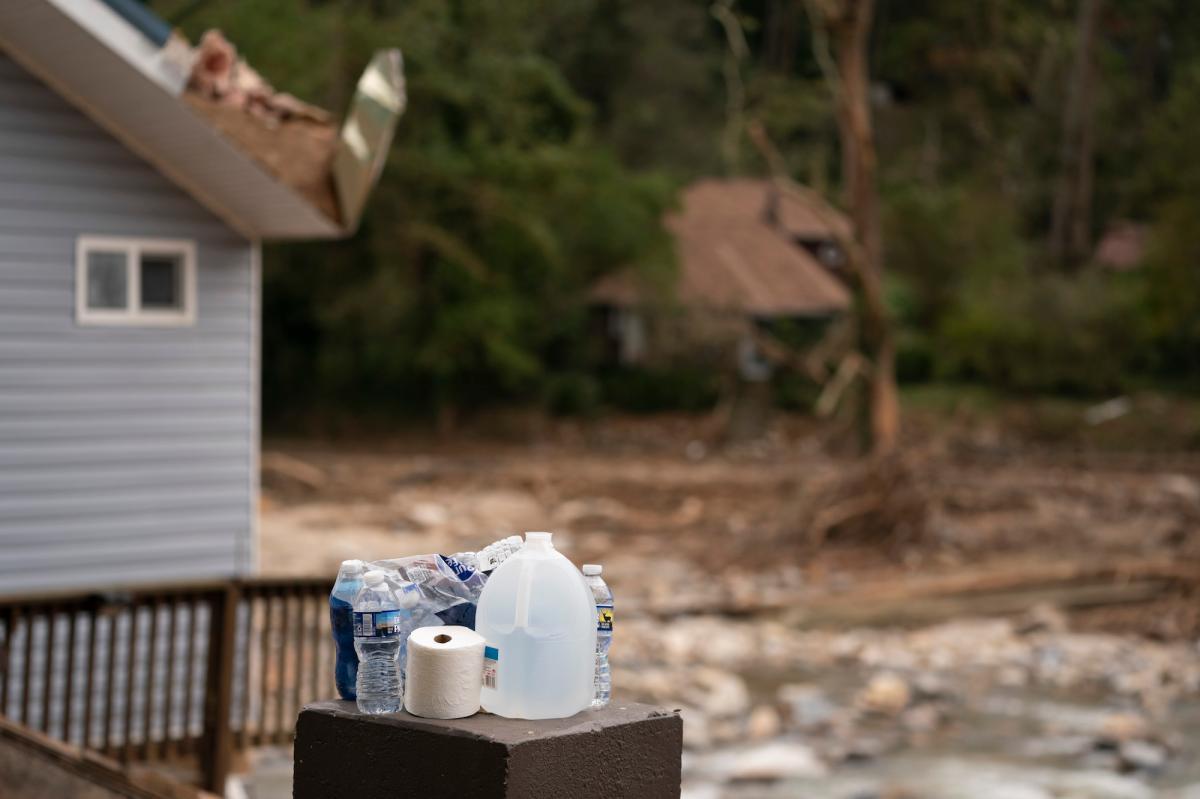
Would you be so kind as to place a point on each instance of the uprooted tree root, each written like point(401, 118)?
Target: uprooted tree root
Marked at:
point(881, 501)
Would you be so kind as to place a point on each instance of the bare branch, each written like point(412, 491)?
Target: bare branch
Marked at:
point(821, 13)
point(735, 90)
point(821, 207)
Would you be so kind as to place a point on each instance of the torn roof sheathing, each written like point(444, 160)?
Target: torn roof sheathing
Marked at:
point(295, 141)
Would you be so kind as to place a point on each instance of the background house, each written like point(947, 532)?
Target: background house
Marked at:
point(134, 200)
point(747, 255)
point(1123, 246)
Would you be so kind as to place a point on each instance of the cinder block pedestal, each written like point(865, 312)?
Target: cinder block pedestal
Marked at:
point(626, 750)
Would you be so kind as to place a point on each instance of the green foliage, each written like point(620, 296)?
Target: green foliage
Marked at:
point(657, 389)
point(572, 394)
point(498, 207)
point(543, 142)
point(1172, 307)
point(793, 391)
point(1041, 333)
point(972, 306)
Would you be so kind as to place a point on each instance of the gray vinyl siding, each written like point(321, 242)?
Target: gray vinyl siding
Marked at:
point(127, 454)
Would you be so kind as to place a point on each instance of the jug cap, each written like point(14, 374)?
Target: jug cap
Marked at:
point(593, 569)
point(538, 538)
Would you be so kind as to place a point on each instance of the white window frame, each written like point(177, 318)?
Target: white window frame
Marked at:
point(133, 315)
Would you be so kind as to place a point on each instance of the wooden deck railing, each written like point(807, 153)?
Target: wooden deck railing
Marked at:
point(179, 674)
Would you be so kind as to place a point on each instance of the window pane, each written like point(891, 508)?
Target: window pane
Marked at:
point(161, 281)
point(107, 279)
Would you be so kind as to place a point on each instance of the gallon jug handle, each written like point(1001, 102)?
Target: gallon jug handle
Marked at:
point(524, 586)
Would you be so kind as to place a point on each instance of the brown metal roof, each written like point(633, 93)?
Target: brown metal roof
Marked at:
point(732, 259)
point(746, 199)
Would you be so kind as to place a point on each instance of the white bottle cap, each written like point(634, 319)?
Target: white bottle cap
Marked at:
point(541, 538)
point(373, 577)
point(356, 565)
point(593, 569)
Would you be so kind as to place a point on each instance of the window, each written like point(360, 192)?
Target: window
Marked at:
point(135, 281)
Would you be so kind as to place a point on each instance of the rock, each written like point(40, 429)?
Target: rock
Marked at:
point(1013, 676)
point(1057, 746)
point(922, 719)
point(428, 514)
point(764, 722)
point(726, 731)
point(719, 693)
point(1098, 760)
point(886, 693)
point(806, 707)
point(1181, 486)
point(1143, 756)
point(866, 747)
point(932, 686)
point(1043, 617)
point(700, 790)
point(590, 510)
point(696, 734)
point(781, 760)
point(1121, 728)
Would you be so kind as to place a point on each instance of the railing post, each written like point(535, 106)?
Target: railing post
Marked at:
point(217, 741)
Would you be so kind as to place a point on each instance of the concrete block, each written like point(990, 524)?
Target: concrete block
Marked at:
point(625, 750)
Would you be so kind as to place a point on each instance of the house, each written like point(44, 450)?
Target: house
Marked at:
point(747, 255)
point(134, 201)
point(1123, 246)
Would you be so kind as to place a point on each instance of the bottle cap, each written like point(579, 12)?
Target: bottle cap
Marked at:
point(352, 565)
point(373, 577)
point(593, 569)
point(537, 538)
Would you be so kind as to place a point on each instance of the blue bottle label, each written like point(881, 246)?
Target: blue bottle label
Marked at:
point(460, 569)
point(377, 624)
point(491, 664)
point(604, 618)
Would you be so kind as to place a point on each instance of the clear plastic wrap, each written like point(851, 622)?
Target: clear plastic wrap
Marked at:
point(447, 590)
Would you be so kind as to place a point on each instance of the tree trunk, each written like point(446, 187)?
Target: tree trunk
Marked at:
point(848, 27)
point(1071, 215)
point(780, 36)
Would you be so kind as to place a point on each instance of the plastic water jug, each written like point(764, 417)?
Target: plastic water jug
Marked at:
point(538, 618)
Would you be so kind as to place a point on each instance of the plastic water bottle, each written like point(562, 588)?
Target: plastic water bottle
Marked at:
point(604, 631)
point(487, 559)
point(341, 622)
point(539, 621)
point(378, 626)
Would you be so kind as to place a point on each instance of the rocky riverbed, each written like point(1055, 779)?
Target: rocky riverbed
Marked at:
point(971, 709)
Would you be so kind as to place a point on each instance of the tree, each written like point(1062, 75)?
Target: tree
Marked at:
point(1070, 224)
point(467, 282)
point(846, 26)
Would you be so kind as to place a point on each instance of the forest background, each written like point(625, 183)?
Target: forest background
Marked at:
point(544, 142)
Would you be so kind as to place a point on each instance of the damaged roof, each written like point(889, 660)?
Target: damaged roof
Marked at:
point(733, 258)
point(267, 164)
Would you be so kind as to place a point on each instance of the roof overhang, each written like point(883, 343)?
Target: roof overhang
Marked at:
point(93, 58)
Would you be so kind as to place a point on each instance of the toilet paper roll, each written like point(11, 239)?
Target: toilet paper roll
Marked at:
point(444, 672)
